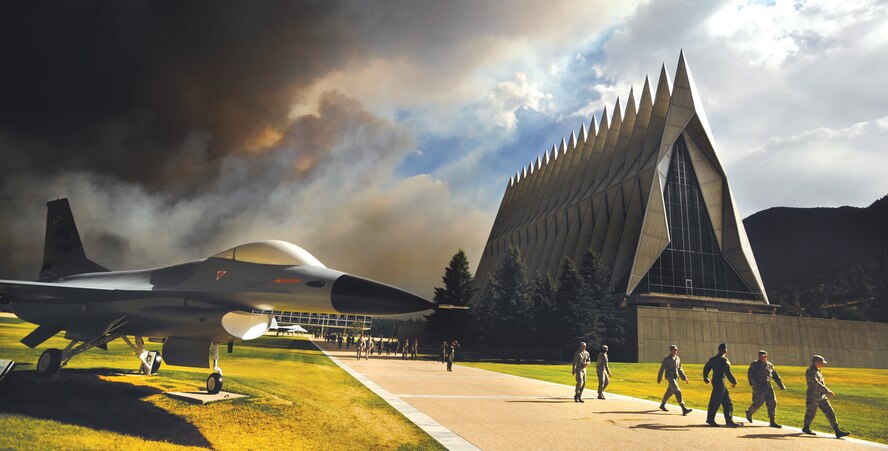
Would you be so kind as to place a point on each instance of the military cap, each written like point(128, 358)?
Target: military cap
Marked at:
point(673, 347)
point(582, 344)
point(722, 347)
point(604, 347)
point(818, 357)
point(763, 352)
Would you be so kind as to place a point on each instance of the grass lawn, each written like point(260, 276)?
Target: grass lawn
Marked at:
point(861, 403)
point(299, 399)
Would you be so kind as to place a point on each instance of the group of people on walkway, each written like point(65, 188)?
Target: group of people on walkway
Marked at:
point(366, 346)
point(759, 375)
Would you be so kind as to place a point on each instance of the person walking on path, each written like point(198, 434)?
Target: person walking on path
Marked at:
point(444, 346)
point(414, 349)
point(671, 366)
point(760, 374)
point(451, 354)
point(720, 367)
point(359, 347)
point(604, 372)
point(817, 396)
point(580, 361)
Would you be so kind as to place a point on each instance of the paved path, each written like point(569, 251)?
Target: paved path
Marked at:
point(495, 411)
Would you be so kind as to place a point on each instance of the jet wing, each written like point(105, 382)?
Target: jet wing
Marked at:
point(56, 293)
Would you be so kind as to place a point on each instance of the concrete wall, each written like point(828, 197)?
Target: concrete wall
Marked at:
point(788, 340)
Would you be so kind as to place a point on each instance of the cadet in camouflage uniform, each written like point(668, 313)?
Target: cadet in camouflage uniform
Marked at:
point(603, 370)
point(721, 368)
point(580, 362)
point(817, 397)
point(760, 374)
point(672, 367)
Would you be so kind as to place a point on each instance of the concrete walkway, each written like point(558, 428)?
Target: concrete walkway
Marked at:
point(493, 411)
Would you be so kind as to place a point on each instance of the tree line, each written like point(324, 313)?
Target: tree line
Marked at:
point(856, 293)
point(516, 312)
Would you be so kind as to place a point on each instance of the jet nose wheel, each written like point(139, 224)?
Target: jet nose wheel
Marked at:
point(214, 383)
point(49, 363)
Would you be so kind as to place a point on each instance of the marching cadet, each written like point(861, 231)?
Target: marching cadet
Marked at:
point(672, 367)
point(816, 396)
point(580, 362)
point(721, 368)
point(603, 370)
point(760, 374)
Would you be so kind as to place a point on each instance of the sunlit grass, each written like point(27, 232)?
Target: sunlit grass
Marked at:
point(861, 403)
point(298, 399)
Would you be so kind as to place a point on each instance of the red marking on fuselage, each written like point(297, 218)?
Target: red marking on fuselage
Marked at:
point(220, 274)
point(287, 280)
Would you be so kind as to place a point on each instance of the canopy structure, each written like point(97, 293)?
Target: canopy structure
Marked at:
point(270, 252)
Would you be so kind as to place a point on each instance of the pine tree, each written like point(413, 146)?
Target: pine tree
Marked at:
point(574, 313)
point(611, 320)
point(542, 295)
point(508, 317)
point(458, 291)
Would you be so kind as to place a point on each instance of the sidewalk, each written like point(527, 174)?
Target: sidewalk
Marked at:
point(495, 411)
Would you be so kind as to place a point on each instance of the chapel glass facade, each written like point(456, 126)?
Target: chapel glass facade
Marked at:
point(692, 264)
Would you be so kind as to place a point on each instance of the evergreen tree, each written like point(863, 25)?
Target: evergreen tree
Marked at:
point(508, 316)
point(542, 295)
point(576, 317)
point(449, 324)
point(878, 308)
point(611, 320)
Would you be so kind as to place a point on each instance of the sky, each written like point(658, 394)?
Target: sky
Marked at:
point(380, 136)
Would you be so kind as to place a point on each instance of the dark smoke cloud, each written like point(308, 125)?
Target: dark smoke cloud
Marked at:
point(120, 87)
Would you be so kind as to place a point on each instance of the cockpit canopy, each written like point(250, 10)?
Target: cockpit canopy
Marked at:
point(270, 252)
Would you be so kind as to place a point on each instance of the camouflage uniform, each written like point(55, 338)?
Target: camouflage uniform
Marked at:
point(671, 366)
point(603, 371)
point(816, 397)
point(760, 375)
point(580, 362)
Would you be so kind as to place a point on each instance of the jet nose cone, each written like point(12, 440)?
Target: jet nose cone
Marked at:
point(352, 294)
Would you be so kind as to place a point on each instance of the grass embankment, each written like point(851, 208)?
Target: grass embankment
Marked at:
point(861, 403)
point(298, 399)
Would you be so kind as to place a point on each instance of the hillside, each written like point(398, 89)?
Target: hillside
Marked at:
point(802, 246)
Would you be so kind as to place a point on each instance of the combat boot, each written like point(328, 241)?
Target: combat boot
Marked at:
point(807, 430)
point(685, 410)
point(576, 398)
point(774, 424)
point(748, 416)
point(663, 407)
point(840, 433)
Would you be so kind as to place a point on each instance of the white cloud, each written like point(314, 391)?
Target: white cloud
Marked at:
point(772, 77)
point(500, 106)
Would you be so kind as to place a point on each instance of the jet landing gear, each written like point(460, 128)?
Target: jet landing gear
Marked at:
point(50, 362)
point(150, 359)
point(214, 382)
point(53, 360)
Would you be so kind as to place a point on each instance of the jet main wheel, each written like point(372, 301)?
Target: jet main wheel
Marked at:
point(49, 362)
point(155, 365)
point(214, 383)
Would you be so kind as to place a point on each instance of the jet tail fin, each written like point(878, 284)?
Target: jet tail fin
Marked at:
point(63, 253)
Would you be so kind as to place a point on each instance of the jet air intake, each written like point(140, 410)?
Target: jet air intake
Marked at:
point(351, 294)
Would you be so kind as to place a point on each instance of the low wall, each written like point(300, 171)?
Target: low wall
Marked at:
point(789, 340)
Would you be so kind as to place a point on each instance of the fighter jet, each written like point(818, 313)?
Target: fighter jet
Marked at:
point(190, 307)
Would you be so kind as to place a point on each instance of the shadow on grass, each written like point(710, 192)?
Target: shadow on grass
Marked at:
point(81, 398)
point(626, 412)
